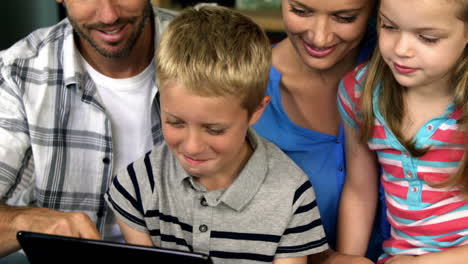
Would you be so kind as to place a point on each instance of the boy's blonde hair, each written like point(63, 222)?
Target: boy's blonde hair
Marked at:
point(392, 107)
point(215, 51)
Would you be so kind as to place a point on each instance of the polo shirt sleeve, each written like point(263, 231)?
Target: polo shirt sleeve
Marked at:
point(349, 94)
point(15, 143)
point(124, 196)
point(304, 235)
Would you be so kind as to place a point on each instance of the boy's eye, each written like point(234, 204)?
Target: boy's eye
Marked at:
point(345, 19)
point(215, 132)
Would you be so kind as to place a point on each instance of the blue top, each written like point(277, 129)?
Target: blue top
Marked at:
point(321, 156)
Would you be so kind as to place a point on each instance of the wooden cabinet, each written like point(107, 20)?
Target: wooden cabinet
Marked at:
point(270, 20)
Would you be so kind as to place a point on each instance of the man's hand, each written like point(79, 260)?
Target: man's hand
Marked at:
point(41, 220)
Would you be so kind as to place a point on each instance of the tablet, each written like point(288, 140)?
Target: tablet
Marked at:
point(44, 248)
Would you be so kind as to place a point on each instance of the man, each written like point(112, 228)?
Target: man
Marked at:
point(68, 94)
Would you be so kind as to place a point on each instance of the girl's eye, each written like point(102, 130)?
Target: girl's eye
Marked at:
point(387, 26)
point(345, 19)
point(427, 39)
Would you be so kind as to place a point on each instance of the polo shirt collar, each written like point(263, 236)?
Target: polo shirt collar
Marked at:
point(246, 185)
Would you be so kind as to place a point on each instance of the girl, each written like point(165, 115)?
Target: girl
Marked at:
point(413, 116)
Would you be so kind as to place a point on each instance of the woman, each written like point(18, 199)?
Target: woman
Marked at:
point(325, 40)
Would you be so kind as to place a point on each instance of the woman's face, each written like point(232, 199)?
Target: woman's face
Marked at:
point(326, 32)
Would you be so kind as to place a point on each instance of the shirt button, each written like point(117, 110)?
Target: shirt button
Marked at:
point(106, 160)
point(337, 141)
point(203, 228)
point(340, 169)
point(203, 202)
point(414, 189)
point(409, 174)
point(100, 213)
point(430, 127)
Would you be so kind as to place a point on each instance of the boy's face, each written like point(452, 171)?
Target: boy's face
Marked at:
point(206, 134)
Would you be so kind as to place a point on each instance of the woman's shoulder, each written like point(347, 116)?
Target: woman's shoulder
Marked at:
point(280, 55)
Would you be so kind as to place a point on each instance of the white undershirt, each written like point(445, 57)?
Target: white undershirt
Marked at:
point(128, 105)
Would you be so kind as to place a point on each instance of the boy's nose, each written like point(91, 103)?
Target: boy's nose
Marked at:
point(193, 143)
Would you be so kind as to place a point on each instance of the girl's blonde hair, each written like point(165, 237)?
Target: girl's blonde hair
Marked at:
point(392, 107)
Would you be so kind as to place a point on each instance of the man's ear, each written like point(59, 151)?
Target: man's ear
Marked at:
point(259, 111)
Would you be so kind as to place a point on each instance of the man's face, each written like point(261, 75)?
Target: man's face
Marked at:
point(110, 28)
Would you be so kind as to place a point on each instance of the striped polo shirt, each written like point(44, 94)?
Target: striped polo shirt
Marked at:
point(268, 212)
point(423, 219)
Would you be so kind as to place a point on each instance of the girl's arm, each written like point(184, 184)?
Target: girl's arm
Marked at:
point(457, 255)
point(133, 236)
point(359, 197)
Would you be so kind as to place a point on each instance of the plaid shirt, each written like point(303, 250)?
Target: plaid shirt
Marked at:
point(55, 136)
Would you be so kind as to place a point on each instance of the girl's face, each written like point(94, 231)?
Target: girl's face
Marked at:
point(421, 40)
point(325, 32)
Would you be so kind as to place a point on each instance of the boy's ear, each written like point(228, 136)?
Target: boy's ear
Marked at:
point(258, 113)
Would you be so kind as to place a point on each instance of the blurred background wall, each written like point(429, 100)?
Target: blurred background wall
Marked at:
point(19, 17)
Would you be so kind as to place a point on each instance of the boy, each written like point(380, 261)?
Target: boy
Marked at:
point(215, 186)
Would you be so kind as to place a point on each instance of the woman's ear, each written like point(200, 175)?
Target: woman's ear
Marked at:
point(259, 111)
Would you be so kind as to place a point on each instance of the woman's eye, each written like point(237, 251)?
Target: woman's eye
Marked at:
point(298, 11)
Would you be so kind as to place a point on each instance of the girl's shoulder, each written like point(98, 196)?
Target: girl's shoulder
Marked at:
point(353, 82)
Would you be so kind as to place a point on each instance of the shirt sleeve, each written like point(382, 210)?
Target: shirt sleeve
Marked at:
point(349, 94)
point(15, 144)
point(305, 234)
point(124, 197)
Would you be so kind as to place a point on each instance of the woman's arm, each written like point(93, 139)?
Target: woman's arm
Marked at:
point(133, 236)
point(359, 197)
